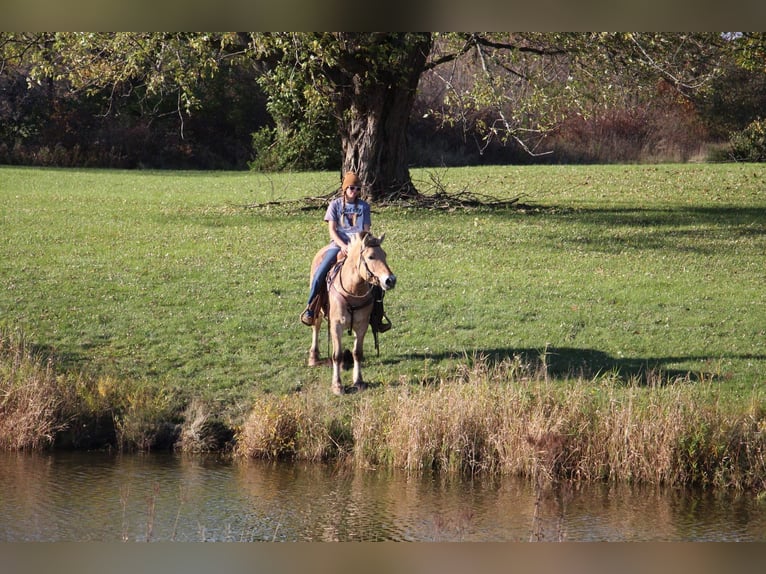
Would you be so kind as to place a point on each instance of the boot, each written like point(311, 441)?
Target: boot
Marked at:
point(307, 317)
point(378, 318)
point(384, 324)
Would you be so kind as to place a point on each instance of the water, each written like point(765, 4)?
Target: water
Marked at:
point(163, 497)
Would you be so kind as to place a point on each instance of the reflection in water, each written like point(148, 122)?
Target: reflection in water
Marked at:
point(102, 497)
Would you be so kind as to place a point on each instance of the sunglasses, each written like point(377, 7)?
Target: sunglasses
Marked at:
point(354, 188)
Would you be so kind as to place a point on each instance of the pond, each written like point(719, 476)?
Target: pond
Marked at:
point(80, 496)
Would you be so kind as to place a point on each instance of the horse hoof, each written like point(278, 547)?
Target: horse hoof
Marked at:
point(359, 386)
point(315, 361)
point(337, 389)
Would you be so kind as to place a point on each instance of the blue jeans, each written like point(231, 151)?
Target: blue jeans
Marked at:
point(321, 273)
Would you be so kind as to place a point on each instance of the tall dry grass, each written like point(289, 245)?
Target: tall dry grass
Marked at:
point(202, 430)
point(509, 419)
point(307, 426)
point(30, 400)
point(40, 407)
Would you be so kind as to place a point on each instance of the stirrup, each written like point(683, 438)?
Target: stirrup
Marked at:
point(385, 324)
point(307, 317)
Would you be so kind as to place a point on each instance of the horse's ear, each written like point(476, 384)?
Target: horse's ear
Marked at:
point(382, 237)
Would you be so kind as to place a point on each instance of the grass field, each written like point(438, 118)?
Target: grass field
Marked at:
point(610, 326)
point(176, 278)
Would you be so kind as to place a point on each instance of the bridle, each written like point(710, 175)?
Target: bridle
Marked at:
point(353, 301)
point(371, 278)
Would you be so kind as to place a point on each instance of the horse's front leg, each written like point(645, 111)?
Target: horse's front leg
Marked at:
point(336, 333)
point(358, 354)
point(314, 350)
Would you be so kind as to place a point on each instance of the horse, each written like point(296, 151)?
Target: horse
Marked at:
point(347, 302)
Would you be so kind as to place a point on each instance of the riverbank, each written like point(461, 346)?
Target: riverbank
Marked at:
point(510, 419)
point(505, 418)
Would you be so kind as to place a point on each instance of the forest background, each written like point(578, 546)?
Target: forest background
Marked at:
point(229, 120)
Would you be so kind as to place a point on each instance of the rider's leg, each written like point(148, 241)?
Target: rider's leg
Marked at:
point(320, 276)
point(379, 319)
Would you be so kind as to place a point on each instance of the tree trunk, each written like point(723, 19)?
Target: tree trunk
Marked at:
point(373, 119)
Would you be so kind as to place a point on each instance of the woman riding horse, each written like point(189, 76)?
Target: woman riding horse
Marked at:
point(350, 302)
point(346, 215)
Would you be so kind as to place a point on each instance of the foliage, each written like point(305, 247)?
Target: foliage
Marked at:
point(304, 147)
point(666, 128)
point(737, 97)
point(305, 132)
point(316, 64)
point(166, 63)
point(750, 143)
point(195, 99)
point(521, 86)
point(57, 112)
point(750, 50)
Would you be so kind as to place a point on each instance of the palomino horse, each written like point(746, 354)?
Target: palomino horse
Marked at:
point(347, 304)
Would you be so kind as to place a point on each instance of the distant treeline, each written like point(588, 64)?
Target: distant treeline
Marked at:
point(48, 124)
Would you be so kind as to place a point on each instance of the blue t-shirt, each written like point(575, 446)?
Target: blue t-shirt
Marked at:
point(349, 218)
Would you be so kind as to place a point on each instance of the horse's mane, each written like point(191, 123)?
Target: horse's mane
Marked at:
point(366, 238)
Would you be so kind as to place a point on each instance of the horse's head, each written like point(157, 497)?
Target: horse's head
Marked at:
point(372, 260)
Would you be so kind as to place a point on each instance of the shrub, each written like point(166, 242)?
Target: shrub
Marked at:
point(305, 147)
point(40, 408)
point(750, 143)
point(201, 431)
point(645, 133)
point(305, 426)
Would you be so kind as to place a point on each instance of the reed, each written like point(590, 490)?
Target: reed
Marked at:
point(41, 406)
point(507, 419)
point(307, 426)
point(29, 396)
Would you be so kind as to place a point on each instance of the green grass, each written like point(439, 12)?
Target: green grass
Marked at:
point(177, 280)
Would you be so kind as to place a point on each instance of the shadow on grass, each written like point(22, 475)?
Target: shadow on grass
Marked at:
point(66, 359)
point(683, 228)
point(561, 362)
point(671, 216)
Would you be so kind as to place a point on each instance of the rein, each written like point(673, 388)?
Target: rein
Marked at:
point(353, 301)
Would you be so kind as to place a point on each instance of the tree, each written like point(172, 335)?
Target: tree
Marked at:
point(367, 81)
point(524, 83)
point(127, 99)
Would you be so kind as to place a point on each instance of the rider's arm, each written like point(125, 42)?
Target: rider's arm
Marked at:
point(333, 226)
